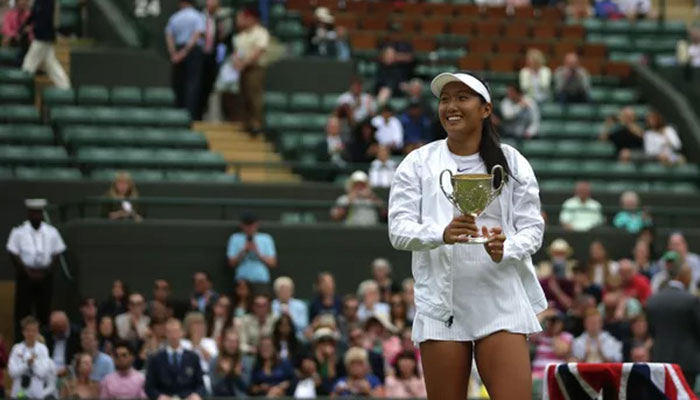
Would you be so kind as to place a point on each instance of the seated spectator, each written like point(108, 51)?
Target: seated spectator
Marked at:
point(363, 147)
point(174, 371)
point(398, 312)
point(617, 308)
point(688, 52)
point(416, 125)
point(285, 340)
point(62, 340)
point(362, 105)
point(203, 296)
point(583, 284)
point(334, 141)
point(102, 364)
point(677, 243)
point(359, 381)
point(381, 274)
point(106, 335)
point(535, 79)
point(322, 36)
point(155, 340)
point(161, 304)
point(394, 67)
point(220, 319)
point(256, 324)
point(252, 253)
point(370, 301)
point(349, 317)
point(14, 31)
point(30, 367)
point(552, 345)
point(581, 213)
point(326, 301)
point(520, 115)
point(285, 303)
point(579, 9)
point(121, 194)
point(414, 91)
point(381, 171)
point(197, 341)
point(80, 386)
point(408, 295)
point(406, 383)
point(324, 351)
point(230, 371)
point(358, 338)
point(360, 205)
point(642, 259)
point(558, 288)
point(636, 9)
point(309, 382)
point(271, 376)
point(576, 314)
point(560, 253)
point(640, 337)
point(389, 131)
point(600, 267)
point(596, 345)
point(125, 382)
point(572, 83)
point(624, 132)
point(661, 142)
point(132, 325)
point(607, 9)
point(382, 337)
point(631, 218)
point(118, 301)
point(242, 299)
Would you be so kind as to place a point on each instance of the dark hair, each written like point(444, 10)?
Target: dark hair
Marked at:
point(660, 120)
point(28, 320)
point(406, 354)
point(125, 345)
point(277, 338)
point(228, 322)
point(205, 273)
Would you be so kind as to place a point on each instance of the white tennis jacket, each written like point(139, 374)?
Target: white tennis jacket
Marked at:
point(419, 213)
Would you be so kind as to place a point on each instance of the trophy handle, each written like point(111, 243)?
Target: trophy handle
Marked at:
point(450, 197)
point(503, 178)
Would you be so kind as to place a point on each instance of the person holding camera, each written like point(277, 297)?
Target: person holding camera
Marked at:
point(252, 253)
point(360, 205)
point(32, 371)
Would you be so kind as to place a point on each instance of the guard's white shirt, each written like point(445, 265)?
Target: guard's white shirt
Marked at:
point(42, 371)
point(459, 283)
point(389, 132)
point(35, 247)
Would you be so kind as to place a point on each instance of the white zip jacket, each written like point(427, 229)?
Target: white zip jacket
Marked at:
point(419, 213)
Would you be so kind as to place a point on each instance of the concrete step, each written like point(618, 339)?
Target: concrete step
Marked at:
point(265, 176)
point(230, 135)
point(217, 126)
point(227, 145)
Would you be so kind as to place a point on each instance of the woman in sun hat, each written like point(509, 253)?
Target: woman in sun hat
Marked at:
point(471, 300)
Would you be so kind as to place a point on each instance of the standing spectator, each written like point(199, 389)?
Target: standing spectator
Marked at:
point(363, 147)
point(242, 298)
point(30, 366)
point(370, 301)
point(256, 324)
point(552, 345)
point(362, 105)
point(14, 31)
point(80, 385)
point(285, 340)
point(640, 337)
point(416, 125)
point(406, 383)
point(624, 132)
point(62, 341)
point(572, 83)
point(88, 313)
point(285, 303)
point(381, 274)
point(210, 67)
point(389, 131)
point(394, 67)
point(326, 300)
point(535, 77)
point(677, 243)
point(359, 381)
point(125, 382)
point(661, 142)
point(634, 284)
point(520, 115)
point(596, 345)
point(203, 296)
point(102, 364)
point(631, 218)
point(360, 205)
point(381, 171)
point(161, 302)
point(174, 371)
point(33, 248)
point(271, 377)
point(323, 36)
point(581, 213)
point(674, 321)
point(250, 45)
point(121, 194)
point(133, 324)
point(220, 319)
point(252, 253)
point(600, 267)
point(334, 141)
point(183, 37)
point(118, 301)
point(41, 51)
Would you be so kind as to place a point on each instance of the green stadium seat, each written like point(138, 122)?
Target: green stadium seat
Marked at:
point(619, 26)
point(683, 188)
point(626, 56)
point(582, 111)
point(538, 147)
point(582, 130)
point(570, 148)
point(109, 115)
point(303, 101)
point(200, 176)
point(56, 173)
point(276, 101)
point(172, 117)
point(622, 186)
point(158, 97)
point(557, 185)
point(204, 159)
point(290, 121)
point(599, 149)
point(316, 122)
point(623, 96)
point(138, 175)
point(598, 94)
point(551, 128)
point(450, 54)
point(311, 141)
point(297, 48)
point(26, 134)
point(591, 24)
point(686, 171)
point(33, 155)
point(6, 173)
point(654, 170)
point(655, 46)
point(398, 104)
point(551, 111)
point(13, 93)
point(627, 170)
point(65, 115)
point(608, 110)
point(595, 167)
point(641, 110)
point(15, 113)
point(16, 76)
point(9, 56)
point(329, 102)
point(126, 96)
point(539, 164)
point(564, 167)
point(69, 21)
point(289, 29)
point(53, 96)
point(274, 120)
point(93, 95)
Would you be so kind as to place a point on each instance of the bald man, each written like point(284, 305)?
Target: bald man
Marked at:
point(62, 340)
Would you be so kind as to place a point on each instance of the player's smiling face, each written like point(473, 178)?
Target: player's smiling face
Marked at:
point(461, 109)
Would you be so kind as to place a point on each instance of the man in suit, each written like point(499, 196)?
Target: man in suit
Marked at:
point(674, 322)
point(174, 371)
point(62, 340)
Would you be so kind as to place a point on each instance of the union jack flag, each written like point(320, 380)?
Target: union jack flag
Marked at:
point(608, 381)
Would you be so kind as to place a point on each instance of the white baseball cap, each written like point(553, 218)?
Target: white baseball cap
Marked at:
point(475, 84)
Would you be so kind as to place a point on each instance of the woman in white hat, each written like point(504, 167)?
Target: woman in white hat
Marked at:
point(471, 300)
point(359, 205)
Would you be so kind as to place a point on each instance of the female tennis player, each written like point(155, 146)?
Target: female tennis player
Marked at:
point(471, 300)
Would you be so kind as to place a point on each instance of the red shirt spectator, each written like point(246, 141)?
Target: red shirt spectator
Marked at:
point(12, 22)
point(634, 284)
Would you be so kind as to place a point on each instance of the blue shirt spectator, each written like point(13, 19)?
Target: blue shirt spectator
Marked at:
point(342, 389)
point(286, 303)
point(252, 253)
point(416, 125)
point(184, 23)
point(102, 366)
